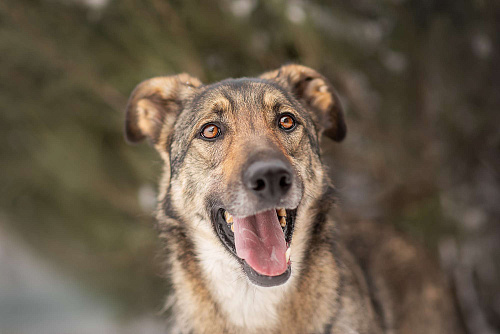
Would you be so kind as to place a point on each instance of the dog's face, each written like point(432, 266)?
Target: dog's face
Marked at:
point(242, 157)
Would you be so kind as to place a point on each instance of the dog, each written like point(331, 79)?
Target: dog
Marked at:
point(247, 213)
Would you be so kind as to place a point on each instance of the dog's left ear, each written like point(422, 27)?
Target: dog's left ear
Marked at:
point(317, 93)
point(154, 105)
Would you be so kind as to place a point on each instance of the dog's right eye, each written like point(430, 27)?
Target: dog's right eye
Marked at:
point(210, 131)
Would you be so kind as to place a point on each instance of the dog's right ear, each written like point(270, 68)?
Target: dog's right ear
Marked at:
point(154, 104)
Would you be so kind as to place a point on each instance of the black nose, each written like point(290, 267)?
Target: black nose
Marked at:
point(269, 179)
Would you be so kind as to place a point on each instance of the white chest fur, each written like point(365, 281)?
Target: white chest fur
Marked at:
point(243, 303)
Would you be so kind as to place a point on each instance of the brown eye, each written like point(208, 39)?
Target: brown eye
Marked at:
point(287, 122)
point(210, 131)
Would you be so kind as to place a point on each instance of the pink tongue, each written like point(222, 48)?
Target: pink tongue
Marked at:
point(260, 241)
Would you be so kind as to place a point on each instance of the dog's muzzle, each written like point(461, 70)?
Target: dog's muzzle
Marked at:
point(257, 227)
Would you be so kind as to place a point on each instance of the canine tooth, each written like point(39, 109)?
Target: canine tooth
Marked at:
point(282, 221)
point(287, 254)
point(232, 228)
point(228, 217)
point(281, 212)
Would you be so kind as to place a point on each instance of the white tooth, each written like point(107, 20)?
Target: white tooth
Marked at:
point(281, 212)
point(287, 254)
point(232, 228)
point(282, 221)
point(228, 217)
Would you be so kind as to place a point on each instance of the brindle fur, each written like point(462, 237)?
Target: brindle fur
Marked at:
point(346, 278)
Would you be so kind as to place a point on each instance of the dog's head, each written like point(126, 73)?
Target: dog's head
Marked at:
point(241, 157)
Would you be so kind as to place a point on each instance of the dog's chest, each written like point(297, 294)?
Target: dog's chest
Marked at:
point(242, 303)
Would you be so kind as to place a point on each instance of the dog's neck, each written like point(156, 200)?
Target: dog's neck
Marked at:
point(241, 302)
point(219, 284)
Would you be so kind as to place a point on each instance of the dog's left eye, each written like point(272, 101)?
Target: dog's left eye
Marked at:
point(287, 122)
point(210, 131)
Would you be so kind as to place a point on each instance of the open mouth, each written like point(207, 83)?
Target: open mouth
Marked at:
point(260, 242)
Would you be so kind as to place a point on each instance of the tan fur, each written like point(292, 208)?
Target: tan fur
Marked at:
point(346, 277)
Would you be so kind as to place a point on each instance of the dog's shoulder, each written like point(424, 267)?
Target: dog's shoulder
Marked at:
point(407, 289)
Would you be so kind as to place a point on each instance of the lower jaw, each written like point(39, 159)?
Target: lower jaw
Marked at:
point(266, 281)
point(253, 276)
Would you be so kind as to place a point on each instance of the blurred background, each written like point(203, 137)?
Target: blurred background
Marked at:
point(419, 79)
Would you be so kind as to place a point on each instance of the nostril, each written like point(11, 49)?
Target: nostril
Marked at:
point(259, 185)
point(285, 181)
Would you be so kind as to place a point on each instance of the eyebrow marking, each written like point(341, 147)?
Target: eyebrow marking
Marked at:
point(230, 101)
point(277, 107)
point(269, 99)
point(216, 110)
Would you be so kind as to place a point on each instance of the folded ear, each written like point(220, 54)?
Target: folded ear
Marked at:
point(316, 93)
point(154, 105)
